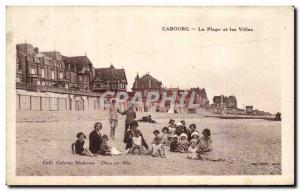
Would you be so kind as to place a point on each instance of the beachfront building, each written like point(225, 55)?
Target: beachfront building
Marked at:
point(225, 102)
point(50, 81)
point(109, 79)
point(146, 84)
point(51, 71)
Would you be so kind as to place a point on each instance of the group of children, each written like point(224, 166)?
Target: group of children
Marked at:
point(177, 138)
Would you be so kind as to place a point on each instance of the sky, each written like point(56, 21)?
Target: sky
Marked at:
point(244, 64)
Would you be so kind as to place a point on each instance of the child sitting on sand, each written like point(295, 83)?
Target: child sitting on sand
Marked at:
point(107, 150)
point(195, 136)
point(174, 144)
point(183, 143)
point(192, 149)
point(137, 147)
point(165, 137)
point(79, 149)
point(156, 134)
point(157, 149)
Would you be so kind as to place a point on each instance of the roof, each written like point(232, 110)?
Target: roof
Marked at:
point(109, 74)
point(144, 82)
point(52, 54)
point(79, 61)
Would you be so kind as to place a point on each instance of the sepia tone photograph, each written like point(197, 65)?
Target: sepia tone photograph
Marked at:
point(125, 92)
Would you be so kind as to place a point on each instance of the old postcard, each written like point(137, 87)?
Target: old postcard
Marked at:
point(150, 95)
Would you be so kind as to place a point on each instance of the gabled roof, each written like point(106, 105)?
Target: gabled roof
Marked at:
point(109, 74)
point(79, 61)
point(143, 82)
point(52, 54)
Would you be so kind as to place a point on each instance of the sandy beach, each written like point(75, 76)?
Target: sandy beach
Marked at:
point(244, 146)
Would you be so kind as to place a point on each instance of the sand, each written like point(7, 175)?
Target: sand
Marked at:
point(245, 146)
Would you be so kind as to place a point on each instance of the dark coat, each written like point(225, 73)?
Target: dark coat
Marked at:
point(79, 147)
point(128, 140)
point(95, 142)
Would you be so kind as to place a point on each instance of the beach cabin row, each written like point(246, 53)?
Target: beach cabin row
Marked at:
point(38, 101)
point(48, 101)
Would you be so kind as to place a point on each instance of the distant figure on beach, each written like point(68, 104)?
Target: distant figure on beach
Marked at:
point(95, 138)
point(147, 119)
point(79, 146)
point(205, 143)
point(134, 139)
point(113, 119)
point(130, 117)
point(278, 116)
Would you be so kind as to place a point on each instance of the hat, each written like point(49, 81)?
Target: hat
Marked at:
point(183, 135)
point(193, 125)
point(165, 128)
point(195, 133)
point(135, 123)
point(182, 121)
point(174, 136)
point(178, 124)
point(156, 131)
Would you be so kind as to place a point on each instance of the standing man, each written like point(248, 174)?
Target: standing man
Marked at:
point(113, 119)
point(130, 117)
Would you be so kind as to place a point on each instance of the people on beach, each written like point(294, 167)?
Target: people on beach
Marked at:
point(192, 129)
point(192, 151)
point(180, 129)
point(130, 116)
point(205, 143)
point(106, 149)
point(134, 138)
point(166, 139)
point(189, 142)
point(195, 136)
point(95, 138)
point(156, 133)
point(157, 149)
point(183, 143)
point(113, 119)
point(79, 145)
point(174, 144)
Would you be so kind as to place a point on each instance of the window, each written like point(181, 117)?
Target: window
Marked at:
point(61, 76)
point(52, 75)
point(33, 71)
point(38, 82)
point(80, 78)
point(43, 72)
